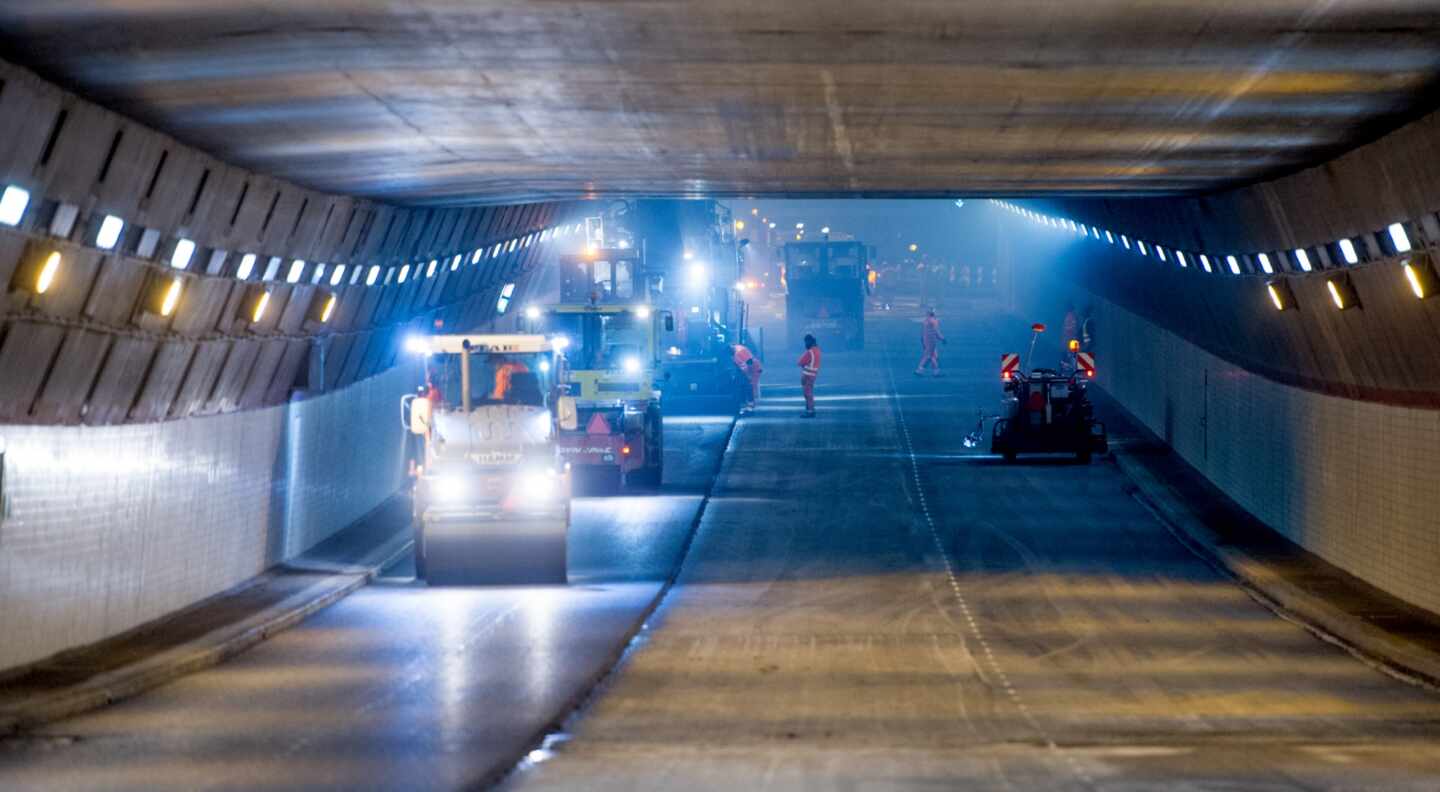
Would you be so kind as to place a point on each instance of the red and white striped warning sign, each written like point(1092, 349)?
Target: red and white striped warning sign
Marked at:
point(1009, 363)
point(1086, 361)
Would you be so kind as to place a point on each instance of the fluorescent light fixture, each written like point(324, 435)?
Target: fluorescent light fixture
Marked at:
point(455, 263)
point(1143, 251)
point(1347, 249)
point(1265, 263)
point(1234, 264)
point(475, 259)
point(323, 307)
point(184, 251)
point(1109, 237)
point(110, 230)
point(373, 276)
point(514, 243)
point(257, 310)
point(297, 268)
point(1421, 277)
point(1180, 257)
point(404, 273)
point(1342, 292)
point(247, 266)
point(1280, 295)
point(430, 270)
point(1400, 239)
point(1205, 262)
point(13, 203)
point(1303, 259)
point(825, 230)
point(1125, 241)
point(319, 273)
point(1160, 251)
point(337, 275)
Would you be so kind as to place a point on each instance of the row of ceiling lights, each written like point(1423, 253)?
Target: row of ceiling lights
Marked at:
point(1419, 274)
point(39, 275)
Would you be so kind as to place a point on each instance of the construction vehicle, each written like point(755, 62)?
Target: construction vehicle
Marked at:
point(612, 431)
point(491, 494)
point(825, 292)
point(1045, 410)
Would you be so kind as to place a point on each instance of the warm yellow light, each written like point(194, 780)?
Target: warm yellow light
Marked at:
point(329, 309)
point(914, 247)
point(1074, 345)
point(46, 278)
point(1414, 278)
point(1275, 296)
point(260, 306)
point(739, 225)
point(1335, 295)
point(172, 297)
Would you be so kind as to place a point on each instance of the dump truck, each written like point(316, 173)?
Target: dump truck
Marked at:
point(491, 491)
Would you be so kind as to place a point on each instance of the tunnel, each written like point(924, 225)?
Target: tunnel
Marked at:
point(731, 395)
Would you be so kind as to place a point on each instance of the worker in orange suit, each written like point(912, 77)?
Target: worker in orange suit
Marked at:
point(930, 340)
point(750, 366)
point(809, 370)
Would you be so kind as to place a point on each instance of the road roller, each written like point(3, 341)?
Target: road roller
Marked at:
point(491, 494)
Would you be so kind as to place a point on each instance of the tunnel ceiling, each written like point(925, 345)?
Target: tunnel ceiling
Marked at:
point(444, 101)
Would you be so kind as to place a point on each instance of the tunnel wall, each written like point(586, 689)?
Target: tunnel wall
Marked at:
point(1350, 478)
point(106, 528)
point(97, 345)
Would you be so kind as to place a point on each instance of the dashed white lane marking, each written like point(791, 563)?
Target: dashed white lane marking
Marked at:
point(995, 668)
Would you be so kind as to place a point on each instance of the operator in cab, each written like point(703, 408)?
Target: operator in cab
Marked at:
point(504, 376)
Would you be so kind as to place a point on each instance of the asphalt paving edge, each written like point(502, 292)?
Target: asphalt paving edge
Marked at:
point(1369, 644)
point(214, 648)
point(632, 640)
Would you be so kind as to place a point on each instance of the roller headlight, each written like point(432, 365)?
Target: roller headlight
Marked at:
point(538, 485)
point(451, 488)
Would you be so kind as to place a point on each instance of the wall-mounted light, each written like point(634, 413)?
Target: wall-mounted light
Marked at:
point(1180, 257)
point(253, 306)
point(1399, 238)
point(13, 202)
point(1280, 294)
point(1302, 257)
point(1342, 292)
point(404, 273)
point(1347, 249)
point(1421, 276)
point(37, 273)
point(1205, 262)
point(184, 251)
point(322, 306)
point(337, 274)
point(109, 234)
point(162, 295)
point(1234, 264)
point(1265, 264)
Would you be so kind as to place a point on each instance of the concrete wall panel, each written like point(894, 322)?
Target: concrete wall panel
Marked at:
point(67, 388)
point(26, 353)
point(89, 550)
point(120, 380)
point(163, 380)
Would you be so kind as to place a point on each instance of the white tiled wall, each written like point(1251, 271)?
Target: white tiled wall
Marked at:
point(1357, 483)
point(105, 528)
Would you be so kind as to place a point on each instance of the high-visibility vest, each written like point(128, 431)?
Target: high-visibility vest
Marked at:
point(810, 362)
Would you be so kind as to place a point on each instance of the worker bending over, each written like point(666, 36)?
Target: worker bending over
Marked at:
point(930, 340)
point(750, 366)
point(809, 370)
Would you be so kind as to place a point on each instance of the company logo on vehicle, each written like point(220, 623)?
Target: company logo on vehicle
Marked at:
point(586, 450)
point(496, 458)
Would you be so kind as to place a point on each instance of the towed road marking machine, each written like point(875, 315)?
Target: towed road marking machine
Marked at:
point(492, 495)
point(1045, 411)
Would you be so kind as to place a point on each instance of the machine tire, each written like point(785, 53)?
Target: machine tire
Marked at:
point(1083, 457)
point(1008, 455)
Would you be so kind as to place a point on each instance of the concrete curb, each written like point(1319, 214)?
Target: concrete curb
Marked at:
point(1371, 644)
point(212, 649)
